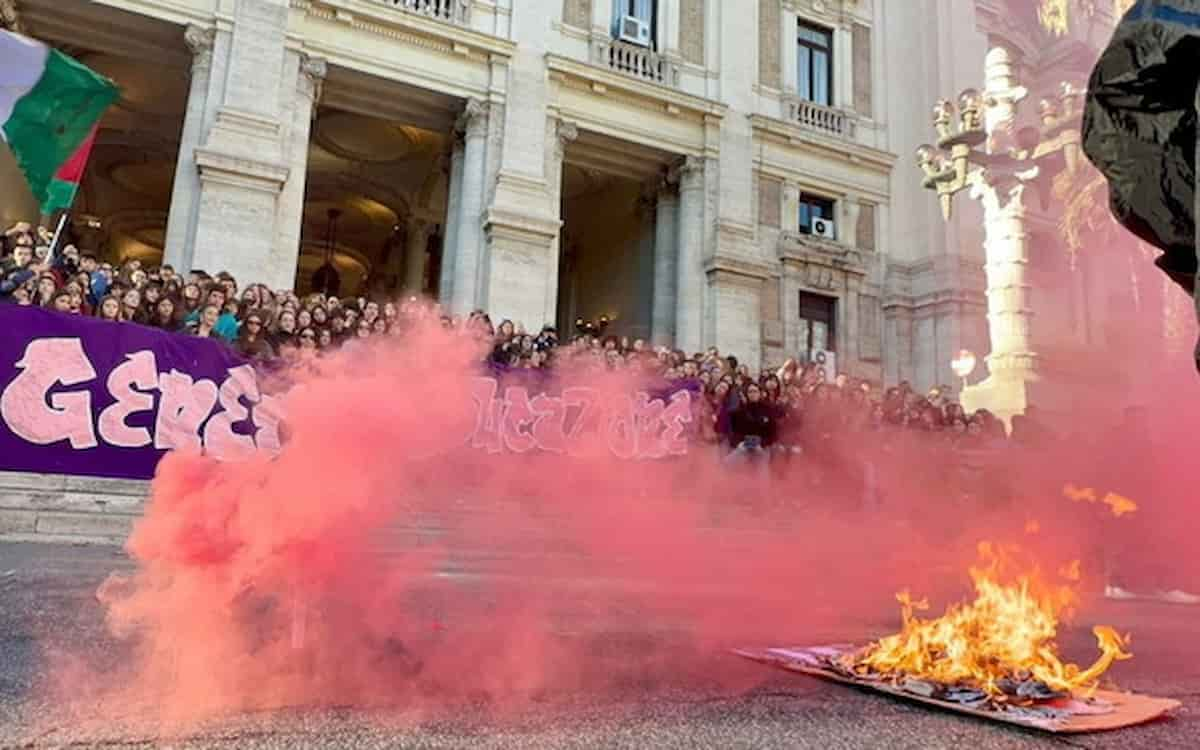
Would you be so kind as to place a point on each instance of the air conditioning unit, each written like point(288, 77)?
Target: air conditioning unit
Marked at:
point(824, 228)
point(635, 31)
point(828, 360)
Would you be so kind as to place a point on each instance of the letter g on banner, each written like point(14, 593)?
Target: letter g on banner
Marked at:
point(67, 416)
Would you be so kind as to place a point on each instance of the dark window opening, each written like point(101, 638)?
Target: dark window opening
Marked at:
point(812, 208)
point(814, 64)
point(818, 324)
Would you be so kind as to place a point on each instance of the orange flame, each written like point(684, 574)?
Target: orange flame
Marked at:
point(1118, 504)
point(1008, 631)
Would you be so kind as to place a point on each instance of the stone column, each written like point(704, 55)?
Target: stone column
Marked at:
point(666, 256)
point(416, 245)
point(453, 202)
point(181, 221)
point(1008, 289)
point(690, 288)
point(465, 292)
point(564, 134)
point(302, 90)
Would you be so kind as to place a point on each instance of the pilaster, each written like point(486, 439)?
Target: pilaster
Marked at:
point(185, 191)
point(690, 288)
point(245, 160)
point(300, 93)
point(666, 255)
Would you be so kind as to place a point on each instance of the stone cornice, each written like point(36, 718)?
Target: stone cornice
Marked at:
point(803, 249)
point(647, 95)
point(794, 136)
point(240, 170)
point(745, 268)
point(377, 18)
point(500, 222)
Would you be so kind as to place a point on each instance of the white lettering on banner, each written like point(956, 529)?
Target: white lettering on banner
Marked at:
point(36, 415)
point(219, 438)
point(202, 414)
point(628, 427)
point(69, 415)
point(137, 369)
point(184, 406)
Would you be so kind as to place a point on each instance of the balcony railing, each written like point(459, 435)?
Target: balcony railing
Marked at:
point(639, 62)
point(820, 118)
point(451, 11)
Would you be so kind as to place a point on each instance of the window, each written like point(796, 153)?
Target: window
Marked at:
point(813, 207)
point(814, 64)
point(818, 324)
point(645, 11)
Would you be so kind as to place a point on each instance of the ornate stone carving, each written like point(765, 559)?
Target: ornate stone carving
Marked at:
point(10, 18)
point(312, 77)
point(820, 277)
point(566, 133)
point(473, 119)
point(200, 41)
point(689, 173)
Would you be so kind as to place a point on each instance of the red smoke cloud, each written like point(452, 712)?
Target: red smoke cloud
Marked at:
point(306, 579)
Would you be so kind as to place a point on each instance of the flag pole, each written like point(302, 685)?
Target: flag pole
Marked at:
point(62, 222)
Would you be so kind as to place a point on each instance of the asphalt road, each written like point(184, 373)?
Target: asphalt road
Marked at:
point(49, 589)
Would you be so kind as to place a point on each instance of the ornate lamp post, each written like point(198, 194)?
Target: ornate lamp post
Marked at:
point(980, 149)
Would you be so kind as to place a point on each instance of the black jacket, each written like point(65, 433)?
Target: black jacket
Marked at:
point(754, 419)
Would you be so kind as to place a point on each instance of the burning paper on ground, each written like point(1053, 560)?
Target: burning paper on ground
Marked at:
point(995, 656)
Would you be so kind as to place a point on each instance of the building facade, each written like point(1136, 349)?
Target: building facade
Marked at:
point(730, 173)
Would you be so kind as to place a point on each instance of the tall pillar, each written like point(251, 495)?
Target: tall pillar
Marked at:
point(453, 203)
point(242, 164)
point(185, 191)
point(1008, 289)
point(303, 79)
point(556, 147)
point(1012, 362)
point(465, 291)
point(416, 245)
point(690, 288)
point(666, 272)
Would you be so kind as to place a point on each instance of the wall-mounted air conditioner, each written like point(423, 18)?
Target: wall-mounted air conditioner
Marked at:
point(824, 228)
point(635, 31)
point(828, 360)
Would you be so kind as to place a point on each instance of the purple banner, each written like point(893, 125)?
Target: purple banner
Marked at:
point(84, 396)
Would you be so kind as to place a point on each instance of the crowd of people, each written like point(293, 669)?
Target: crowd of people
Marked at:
point(769, 417)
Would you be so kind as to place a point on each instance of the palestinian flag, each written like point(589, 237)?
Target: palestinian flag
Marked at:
point(49, 108)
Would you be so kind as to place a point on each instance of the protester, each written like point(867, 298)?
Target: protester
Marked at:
point(794, 416)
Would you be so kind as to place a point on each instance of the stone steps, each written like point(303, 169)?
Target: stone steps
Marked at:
point(59, 508)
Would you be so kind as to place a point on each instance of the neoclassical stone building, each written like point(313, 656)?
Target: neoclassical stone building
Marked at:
point(735, 173)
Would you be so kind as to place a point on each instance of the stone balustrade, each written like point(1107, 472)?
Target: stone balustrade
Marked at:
point(637, 61)
point(450, 11)
point(818, 117)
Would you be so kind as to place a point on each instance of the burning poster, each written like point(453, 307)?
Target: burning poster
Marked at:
point(994, 657)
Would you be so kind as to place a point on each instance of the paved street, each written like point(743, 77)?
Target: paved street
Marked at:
point(48, 589)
